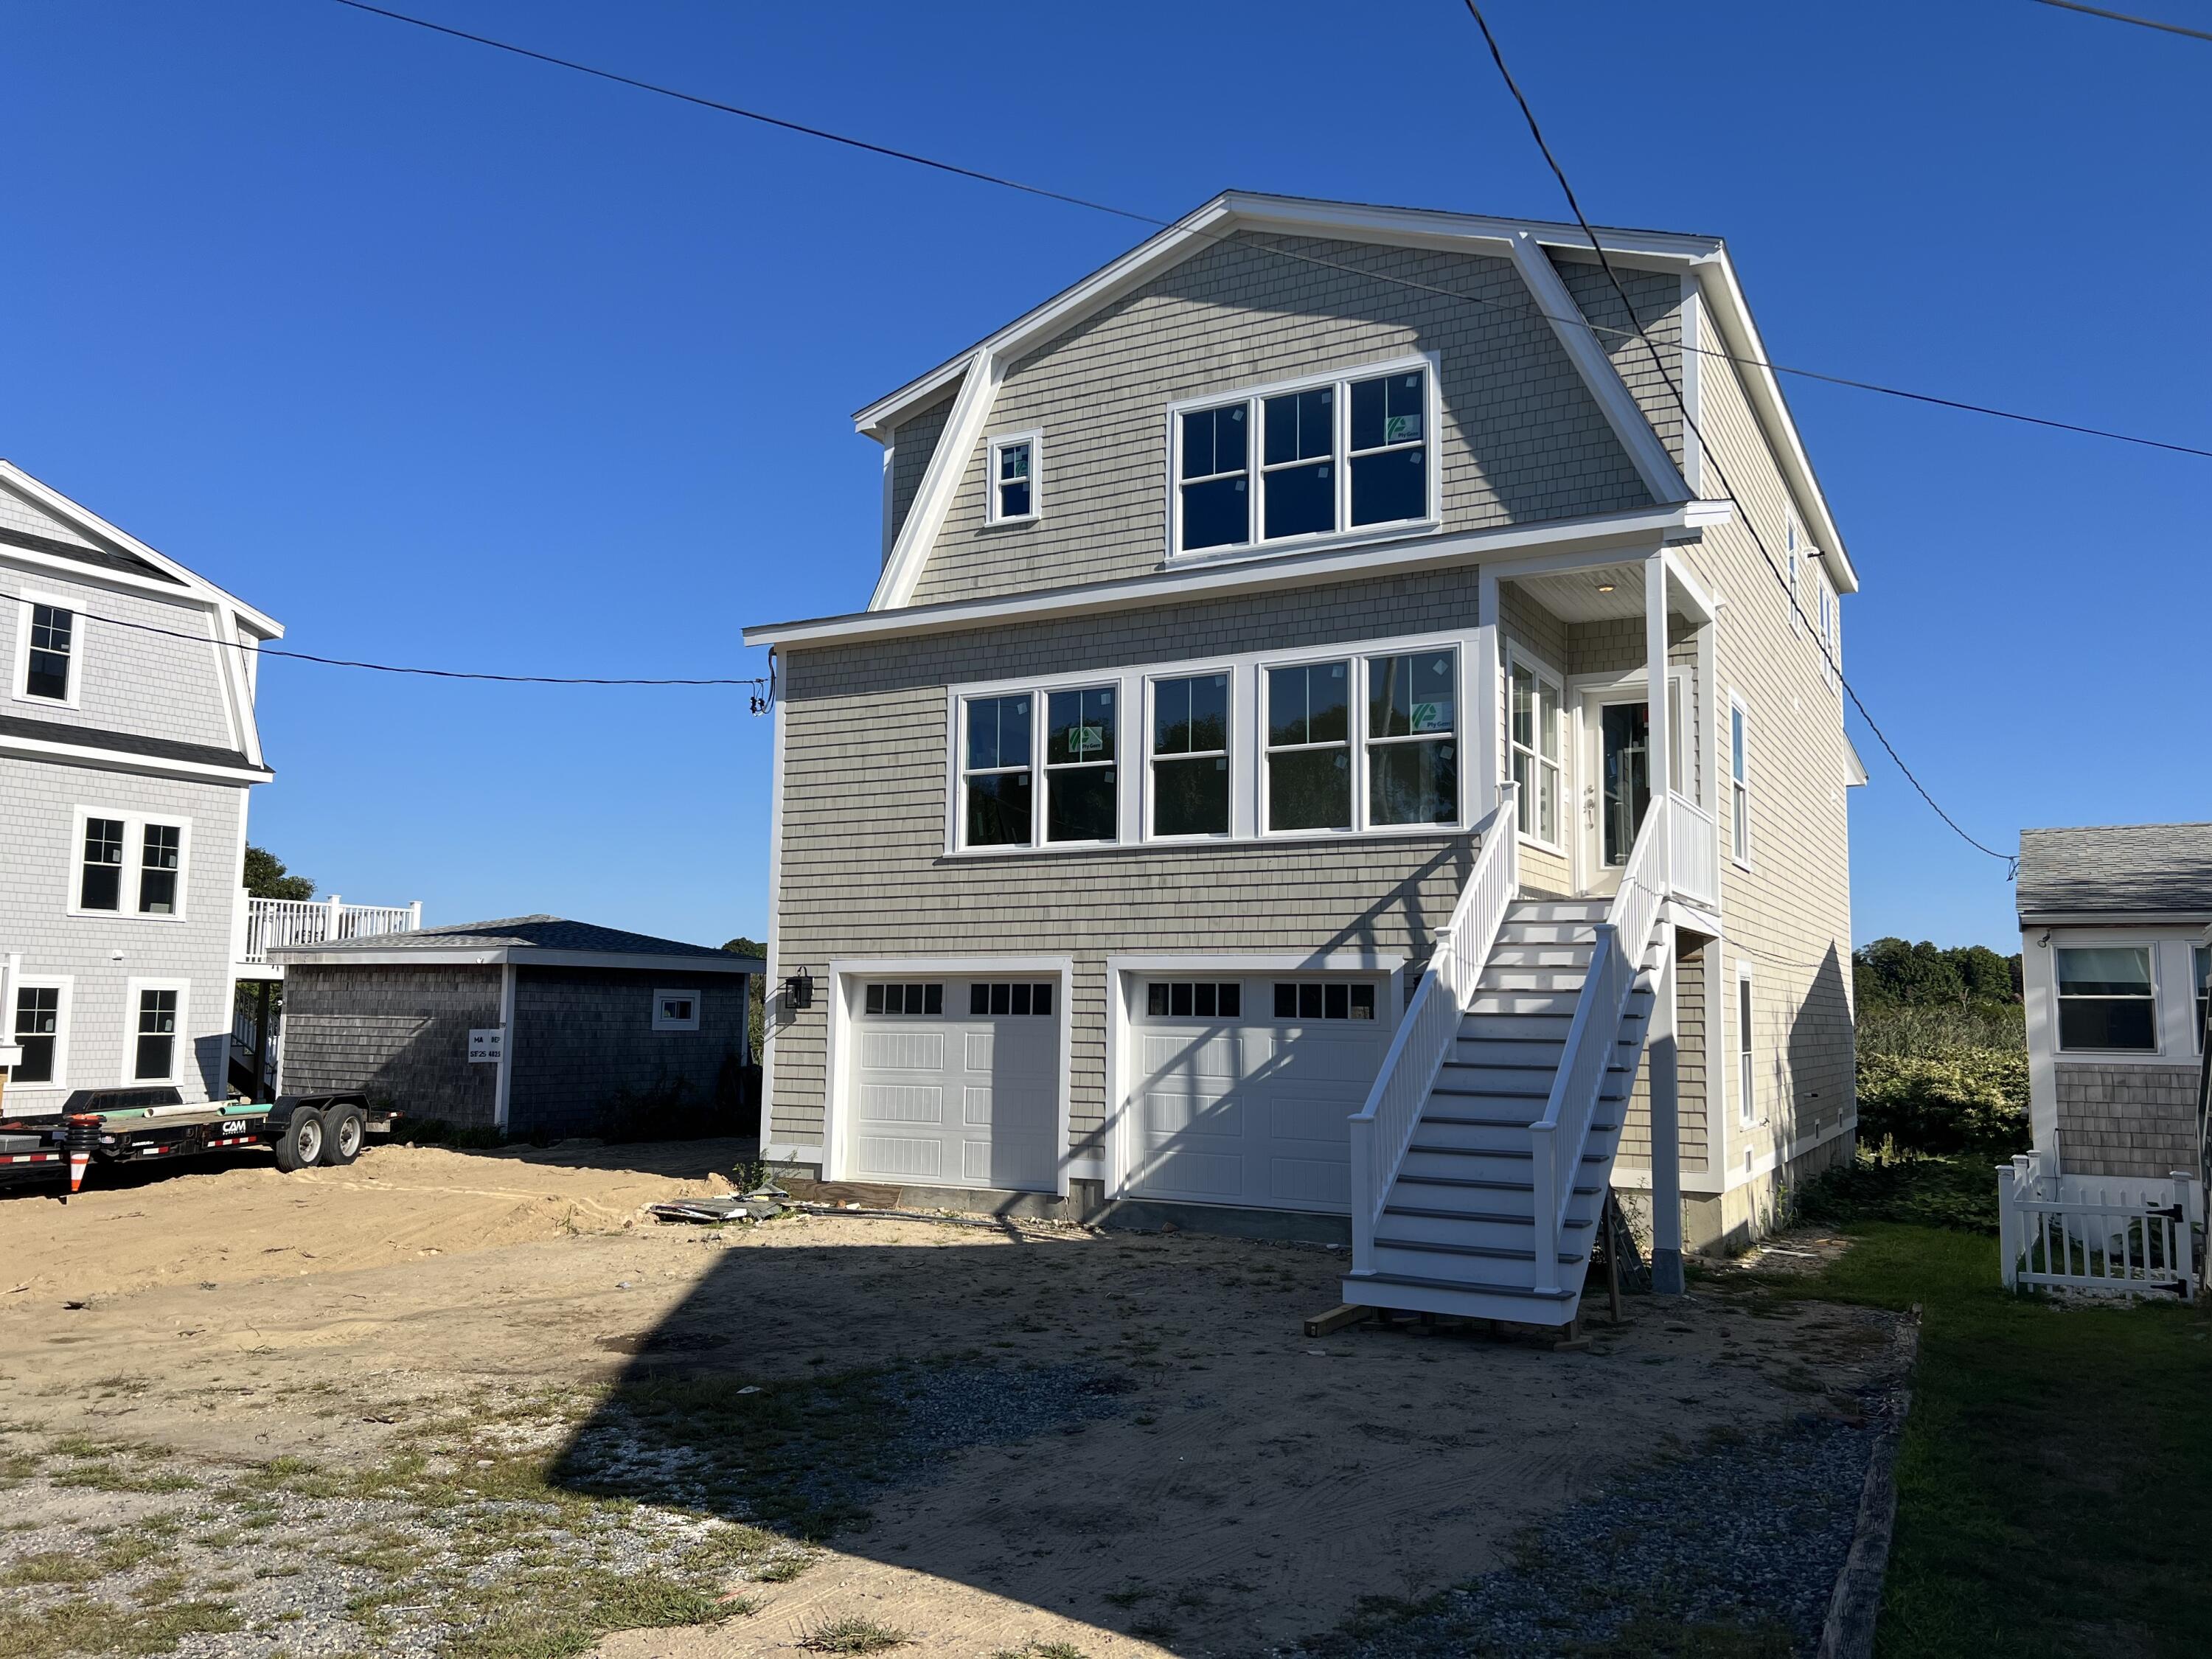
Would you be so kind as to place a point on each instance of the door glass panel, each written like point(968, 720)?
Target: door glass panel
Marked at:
point(1625, 735)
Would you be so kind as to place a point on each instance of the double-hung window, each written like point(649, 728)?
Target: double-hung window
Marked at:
point(997, 793)
point(99, 885)
point(38, 1032)
point(2106, 999)
point(1536, 752)
point(1190, 756)
point(1413, 766)
point(1739, 783)
point(48, 653)
point(130, 865)
point(155, 1055)
point(161, 851)
point(1348, 452)
point(1014, 481)
point(1309, 746)
point(1747, 1071)
point(2201, 959)
point(1078, 764)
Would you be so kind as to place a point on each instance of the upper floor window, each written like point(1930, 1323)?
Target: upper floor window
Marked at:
point(1014, 481)
point(1309, 746)
point(1412, 754)
point(2201, 959)
point(1739, 782)
point(128, 865)
point(1409, 735)
point(997, 795)
point(101, 886)
point(1078, 764)
point(1344, 453)
point(46, 663)
point(2105, 998)
point(1190, 756)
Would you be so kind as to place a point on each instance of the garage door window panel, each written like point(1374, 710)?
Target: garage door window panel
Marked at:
point(1310, 999)
point(1018, 997)
point(1081, 748)
point(1194, 1000)
point(1190, 756)
point(1309, 747)
point(997, 765)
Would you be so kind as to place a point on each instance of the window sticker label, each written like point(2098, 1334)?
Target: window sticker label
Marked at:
point(1401, 428)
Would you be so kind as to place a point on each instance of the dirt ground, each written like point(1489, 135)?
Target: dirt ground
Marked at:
point(1118, 1442)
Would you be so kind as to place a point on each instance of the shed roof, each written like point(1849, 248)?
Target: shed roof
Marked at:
point(2125, 871)
point(543, 941)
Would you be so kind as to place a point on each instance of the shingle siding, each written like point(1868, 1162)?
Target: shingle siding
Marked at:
point(398, 1035)
point(588, 1062)
point(128, 680)
point(2126, 1120)
point(1523, 440)
point(913, 446)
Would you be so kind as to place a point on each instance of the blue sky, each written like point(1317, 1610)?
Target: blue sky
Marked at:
point(445, 358)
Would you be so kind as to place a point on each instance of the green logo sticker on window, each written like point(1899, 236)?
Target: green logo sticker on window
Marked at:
point(1401, 428)
point(1427, 716)
point(1082, 739)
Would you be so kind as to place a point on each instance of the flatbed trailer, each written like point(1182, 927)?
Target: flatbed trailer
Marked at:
point(305, 1130)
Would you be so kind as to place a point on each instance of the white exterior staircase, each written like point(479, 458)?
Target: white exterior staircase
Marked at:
point(1481, 1159)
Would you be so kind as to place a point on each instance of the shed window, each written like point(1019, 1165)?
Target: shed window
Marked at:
point(2106, 999)
point(675, 1011)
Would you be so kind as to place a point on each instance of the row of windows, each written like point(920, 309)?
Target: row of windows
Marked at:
point(40, 1030)
point(2108, 997)
point(1348, 453)
point(1403, 726)
point(157, 868)
point(1022, 997)
point(1298, 1000)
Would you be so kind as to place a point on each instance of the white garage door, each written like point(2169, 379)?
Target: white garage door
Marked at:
point(955, 1083)
point(1244, 1086)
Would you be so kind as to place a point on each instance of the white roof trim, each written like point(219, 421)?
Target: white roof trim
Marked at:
point(119, 760)
point(1855, 772)
point(1646, 528)
point(54, 501)
point(1591, 360)
point(948, 465)
point(463, 956)
point(1704, 258)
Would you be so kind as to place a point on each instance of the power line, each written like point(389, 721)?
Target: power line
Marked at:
point(1046, 194)
point(263, 650)
point(2127, 18)
point(1535, 131)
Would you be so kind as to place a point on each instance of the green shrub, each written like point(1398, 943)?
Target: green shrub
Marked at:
point(1965, 1100)
point(1959, 1193)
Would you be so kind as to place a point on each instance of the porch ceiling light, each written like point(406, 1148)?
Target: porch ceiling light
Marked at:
point(1605, 587)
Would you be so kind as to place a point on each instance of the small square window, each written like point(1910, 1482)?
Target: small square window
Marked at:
point(675, 1011)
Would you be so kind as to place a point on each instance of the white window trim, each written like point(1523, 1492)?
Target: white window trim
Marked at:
point(1790, 540)
point(1743, 859)
point(1151, 725)
point(1252, 396)
point(1747, 1048)
point(20, 676)
point(662, 1023)
point(1247, 733)
point(66, 984)
point(1035, 439)
point(179, 1045)
point(134, 867)
point(2196, 1025)
point(1039, 693)
point(1518, 655)
point(2151, 945)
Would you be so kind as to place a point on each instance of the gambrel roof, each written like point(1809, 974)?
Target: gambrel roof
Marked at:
point(971, 380)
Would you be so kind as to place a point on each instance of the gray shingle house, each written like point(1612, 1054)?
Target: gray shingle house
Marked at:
point(2114, 965)
point(1324, 741)
point(534, 1026)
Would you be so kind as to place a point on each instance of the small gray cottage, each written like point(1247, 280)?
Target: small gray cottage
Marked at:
point(2116, 967)
point(535, 1026)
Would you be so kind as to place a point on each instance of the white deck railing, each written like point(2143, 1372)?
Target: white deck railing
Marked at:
point(1556, 1139)
point(2117, 1236)
point(272, 924)
point(1384, 1127)
point(1694, 846)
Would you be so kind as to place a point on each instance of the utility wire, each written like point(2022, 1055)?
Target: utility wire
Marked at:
point(1659, 363)
point(1157, 223)
point(2127, 18)
point(393, 668)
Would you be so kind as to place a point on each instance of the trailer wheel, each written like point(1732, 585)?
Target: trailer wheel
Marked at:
point(300, 1146)
point(344, 1131)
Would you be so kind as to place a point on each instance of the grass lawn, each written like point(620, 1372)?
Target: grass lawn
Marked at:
point(2056, 1474)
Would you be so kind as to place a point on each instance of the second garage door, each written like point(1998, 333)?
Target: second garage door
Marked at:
point(955, 1083)
point(1244, 1086)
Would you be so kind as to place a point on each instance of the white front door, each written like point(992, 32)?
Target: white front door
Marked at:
point(1614, 783)
point(1243, 1083)
point(955, 1083)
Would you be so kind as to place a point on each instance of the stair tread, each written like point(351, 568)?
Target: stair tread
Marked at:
point(1431, 1212)
point(1495, 1252)
point(1492, 1152)
point(1471, 1288)
point(1498, 1123)
point(1484, 1182)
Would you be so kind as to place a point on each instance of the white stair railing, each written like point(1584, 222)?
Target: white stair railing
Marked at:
point(1693, 841)
point(1384, 1127)
point(1556, 1139)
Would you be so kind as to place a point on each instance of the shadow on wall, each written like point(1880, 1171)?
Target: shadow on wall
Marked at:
point(211, 1055)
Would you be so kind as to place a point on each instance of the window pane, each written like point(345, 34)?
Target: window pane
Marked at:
point(1389, 410)
point(1190, 714)
point(2106, 1023)
point(1309, 704)
point(1301, 501)
point(1013, 463)
point(1232, 1000)
point(1737, 762)
point(1021, 999)
point(1190, 797)
point(1548, 721)
point(1041, 998)
point(1547, 802)
point(1524, 802)
point(1079, 726)
point(1204, 1001)
point(998, 731)
point(1179, 1000)
point(1014, 500)
point(932, 999)
point(1213, 441)
point(1216, 514)
point(1524, 707)
point(1079, 803)
point(998, 810)
point(1286, 1002)
point(874, 1000)
point(102, 887)
point(1363, 1002)
point(1310, 789)
point(979, 999)
point(1406, 695)
point(1388, 487)
point(157, 880)
point(1156, 999)
point(1337, 1003)
point(1413, 783)
point(153, 1057)
point(1309, 1001)
point(1002, 998)
point(1300, 425)
point(2107, 971)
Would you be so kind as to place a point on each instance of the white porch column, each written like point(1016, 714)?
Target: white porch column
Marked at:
point(1487, 672)
point(1660, 742)
point(1660, 1062)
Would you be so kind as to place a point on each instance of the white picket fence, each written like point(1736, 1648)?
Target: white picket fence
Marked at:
point(2110, 1234)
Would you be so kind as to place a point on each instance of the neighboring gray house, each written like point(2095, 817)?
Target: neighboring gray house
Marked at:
point(127, 747)
point(1238, 794)
point(2114, 966)
point(534, 1026)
